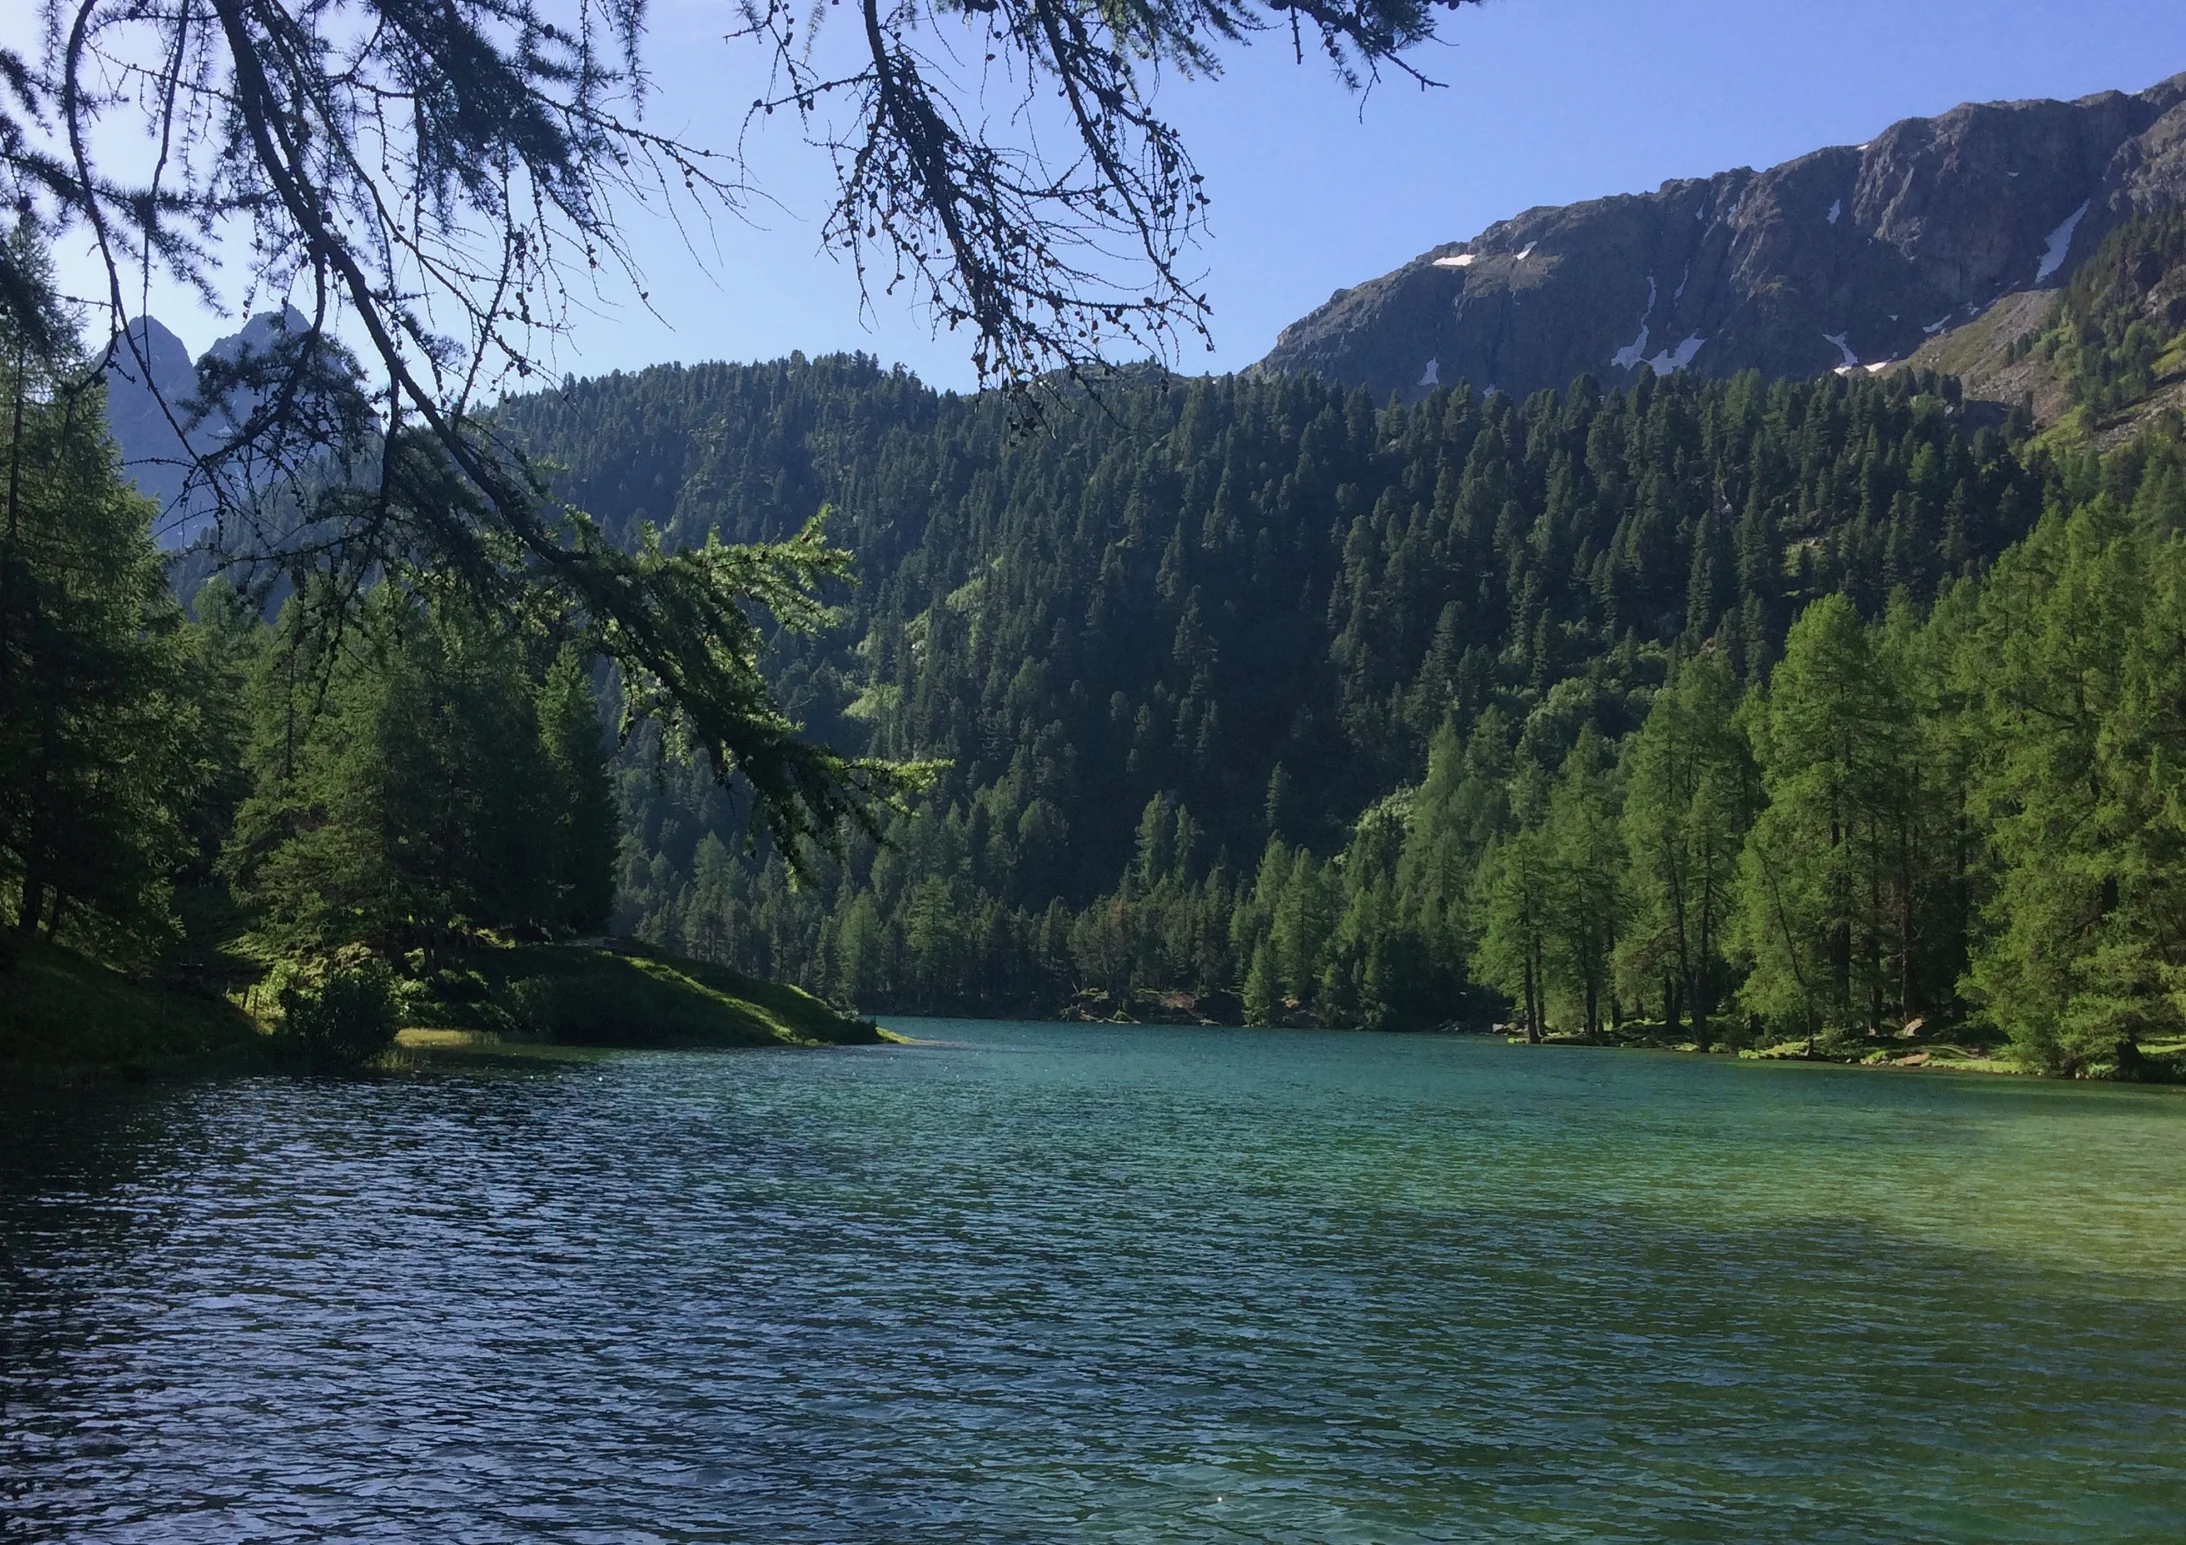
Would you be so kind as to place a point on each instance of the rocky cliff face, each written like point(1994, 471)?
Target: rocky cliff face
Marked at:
point(1845, 258)
point(161, 427)
point(150, 376)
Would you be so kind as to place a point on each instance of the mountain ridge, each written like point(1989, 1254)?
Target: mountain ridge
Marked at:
point(1848, 257)
point(153, 408)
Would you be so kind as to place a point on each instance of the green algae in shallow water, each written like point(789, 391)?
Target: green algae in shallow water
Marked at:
point(1036, 1283)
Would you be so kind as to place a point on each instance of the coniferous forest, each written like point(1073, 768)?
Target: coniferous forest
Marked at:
point(247, 804)
point(1752, 713)
point(1733, 713)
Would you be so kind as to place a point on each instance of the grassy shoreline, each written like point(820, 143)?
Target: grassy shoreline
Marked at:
point(2161, 1062)
point(618, 994)
point(1933, 1057)
point(65, 1018)
point(68, 1019)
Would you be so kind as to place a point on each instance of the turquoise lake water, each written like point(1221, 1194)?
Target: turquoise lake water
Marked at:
point(1046, 1283)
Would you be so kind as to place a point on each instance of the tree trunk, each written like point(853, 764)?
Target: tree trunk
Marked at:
point(1905, 912)
point(1840, 931)
point(1874, 946)
point(1698, 993)
point(15, 511)
point(1540, 987)
point(1840, 969)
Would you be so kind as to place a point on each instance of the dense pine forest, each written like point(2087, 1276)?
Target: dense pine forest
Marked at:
point(1727, 713)
point(246, 805)
point(1759, 712)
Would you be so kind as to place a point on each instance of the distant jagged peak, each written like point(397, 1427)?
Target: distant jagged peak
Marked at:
point(152, 385)
point(260, 333)
point(146, 341)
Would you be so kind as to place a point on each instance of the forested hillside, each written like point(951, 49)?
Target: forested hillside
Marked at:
point(2118, 338)
point(1281, 703)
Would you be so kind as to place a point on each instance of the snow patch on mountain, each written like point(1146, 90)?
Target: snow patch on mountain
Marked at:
point(1676, 359)
point(2060, 243)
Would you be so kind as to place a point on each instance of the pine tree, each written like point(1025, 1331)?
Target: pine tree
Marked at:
point(578, 800)
point(1586, 858)
point(2079, 781)
point(1835, 750)
point(1688, 800)
point(101, 730)
point(1516, 901)
point(397, 793)
point(309, 847)
point(863, 951)
point(1263, 997)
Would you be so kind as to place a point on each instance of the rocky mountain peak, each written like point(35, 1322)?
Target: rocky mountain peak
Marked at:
point(1847, 258)
point(152, 407)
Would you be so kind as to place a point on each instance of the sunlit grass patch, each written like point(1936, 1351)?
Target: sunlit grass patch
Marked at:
point(620, 995)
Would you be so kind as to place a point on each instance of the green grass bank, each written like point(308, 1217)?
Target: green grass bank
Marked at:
point(620, 994)
point(62, 1015)
point(65, 1017)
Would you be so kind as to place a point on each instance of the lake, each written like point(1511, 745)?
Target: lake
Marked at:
point(1047, 1283)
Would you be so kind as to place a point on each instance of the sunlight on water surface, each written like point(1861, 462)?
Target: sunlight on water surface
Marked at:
point(1036, 1283)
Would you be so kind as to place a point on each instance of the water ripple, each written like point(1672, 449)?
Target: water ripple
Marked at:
point(1045, 1285)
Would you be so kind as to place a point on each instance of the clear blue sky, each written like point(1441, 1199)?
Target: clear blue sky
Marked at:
point(1548, 101)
